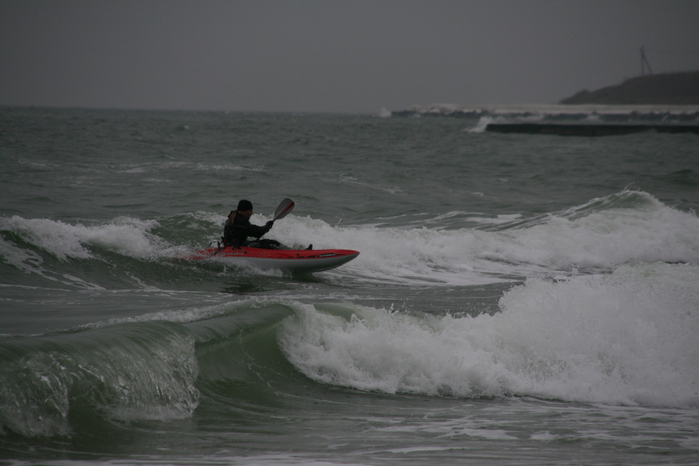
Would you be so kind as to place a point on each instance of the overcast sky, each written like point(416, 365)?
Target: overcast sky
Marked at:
point(331, 55)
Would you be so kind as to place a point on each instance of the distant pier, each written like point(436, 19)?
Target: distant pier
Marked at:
point(588, 129)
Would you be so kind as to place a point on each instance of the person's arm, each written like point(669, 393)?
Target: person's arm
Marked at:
point(259, 231)
point(253, 230)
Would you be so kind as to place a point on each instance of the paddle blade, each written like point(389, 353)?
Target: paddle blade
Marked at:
point(286, 206)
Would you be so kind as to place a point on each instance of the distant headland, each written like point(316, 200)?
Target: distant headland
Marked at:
point(652, 89)
point(664, 103)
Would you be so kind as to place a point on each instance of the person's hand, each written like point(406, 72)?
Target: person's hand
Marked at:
point(269, 224)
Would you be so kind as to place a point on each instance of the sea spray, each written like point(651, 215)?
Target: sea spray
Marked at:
point(628, 337)
point(393, 352)
point(625, 338)
point(623, 228)
point(124, 235)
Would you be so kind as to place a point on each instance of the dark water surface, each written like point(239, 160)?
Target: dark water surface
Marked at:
point(518, 299)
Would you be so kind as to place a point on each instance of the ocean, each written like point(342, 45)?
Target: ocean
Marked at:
point(519, 299)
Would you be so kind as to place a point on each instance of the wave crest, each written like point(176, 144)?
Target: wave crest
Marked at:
point(141, 372)
point(625, 338)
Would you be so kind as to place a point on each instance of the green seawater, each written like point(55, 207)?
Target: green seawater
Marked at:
point(518, 299)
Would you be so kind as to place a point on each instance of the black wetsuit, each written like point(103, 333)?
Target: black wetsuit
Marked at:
point(237, 233)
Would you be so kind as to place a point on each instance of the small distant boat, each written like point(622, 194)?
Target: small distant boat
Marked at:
point(288, 260)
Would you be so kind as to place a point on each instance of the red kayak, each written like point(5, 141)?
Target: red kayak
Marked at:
point(292, 260)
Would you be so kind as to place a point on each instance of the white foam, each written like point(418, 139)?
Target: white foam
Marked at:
point(499, 220)
point(401, 255)
point(627, 228)
point(624, 228)
point(22, 259)
point(624, 338)
point(651, 232)
point(124, 235)
point(483, 122)
point(221, 167)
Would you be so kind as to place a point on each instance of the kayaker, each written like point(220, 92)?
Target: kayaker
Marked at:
point(238, 228)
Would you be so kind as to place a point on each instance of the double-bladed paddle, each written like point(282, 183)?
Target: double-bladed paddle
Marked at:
point(286, 206)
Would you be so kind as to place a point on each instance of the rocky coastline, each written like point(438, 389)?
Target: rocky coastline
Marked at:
point(653, 89)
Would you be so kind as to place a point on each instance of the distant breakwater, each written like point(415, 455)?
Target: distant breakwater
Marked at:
point(588, 129)
point(567, 113)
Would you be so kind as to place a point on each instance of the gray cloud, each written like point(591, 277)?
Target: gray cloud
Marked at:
point(331, 56)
